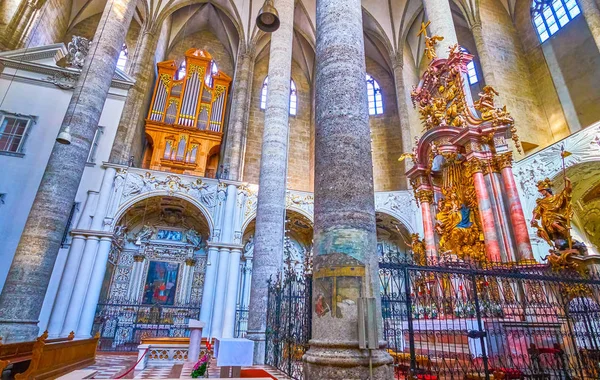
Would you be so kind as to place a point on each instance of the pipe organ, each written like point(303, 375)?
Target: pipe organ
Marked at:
point(184, 127)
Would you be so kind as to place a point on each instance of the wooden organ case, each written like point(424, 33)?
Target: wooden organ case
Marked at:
point(184, 127)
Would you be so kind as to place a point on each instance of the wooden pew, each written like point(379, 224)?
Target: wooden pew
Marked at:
point(21, 351)
point(51, 360)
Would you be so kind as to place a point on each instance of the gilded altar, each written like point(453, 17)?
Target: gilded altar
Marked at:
point(184, 126)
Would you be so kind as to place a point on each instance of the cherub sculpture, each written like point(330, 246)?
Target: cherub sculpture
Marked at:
point(430, 43)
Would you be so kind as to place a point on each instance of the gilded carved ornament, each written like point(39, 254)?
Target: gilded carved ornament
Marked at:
point(504, 160)
point(424, 196)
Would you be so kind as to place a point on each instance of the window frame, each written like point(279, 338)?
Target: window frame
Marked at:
point(293, 97)
point(538, 7)
point(123, 57)
point(91, 160)
point(374, 91)
point(31, 120)
point(471, 65)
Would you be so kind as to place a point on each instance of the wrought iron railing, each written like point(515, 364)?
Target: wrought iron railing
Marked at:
point(289, 321)
point(241, 322)
point(122, 327)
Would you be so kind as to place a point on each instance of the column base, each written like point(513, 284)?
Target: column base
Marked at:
point(259, 340)
point(18, 331)
point(345, 361)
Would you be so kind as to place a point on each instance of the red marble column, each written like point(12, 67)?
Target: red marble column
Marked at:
point(517, 218)
point(425, 199)
point(492, 245)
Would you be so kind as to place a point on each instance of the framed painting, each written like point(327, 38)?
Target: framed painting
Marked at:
point(161, 283)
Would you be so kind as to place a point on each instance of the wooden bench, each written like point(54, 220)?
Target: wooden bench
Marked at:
point(20, 352)
point(51, 360)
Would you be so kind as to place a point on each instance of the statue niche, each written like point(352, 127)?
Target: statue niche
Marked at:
point(184, 127)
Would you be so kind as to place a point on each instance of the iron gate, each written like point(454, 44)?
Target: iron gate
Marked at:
point(453, 320)
point(288, 323)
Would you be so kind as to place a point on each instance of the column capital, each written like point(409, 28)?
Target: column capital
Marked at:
point(190, 262)
point(504, 160)
point(138, 258)
point(476, 165)
point(424, 196)
point(476, 25)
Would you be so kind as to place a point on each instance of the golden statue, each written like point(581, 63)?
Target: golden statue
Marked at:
point(485, 105)
point(552, 217)
point(430, 43)
point(418, 248)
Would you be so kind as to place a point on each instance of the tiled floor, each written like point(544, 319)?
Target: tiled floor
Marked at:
point(113, 366)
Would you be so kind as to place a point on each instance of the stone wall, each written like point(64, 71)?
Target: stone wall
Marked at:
point(512, 75)
point(7, 10)
point(300, 151)
point(204, 40)
point(51, 23)
point(386, 134)
point(540, 72)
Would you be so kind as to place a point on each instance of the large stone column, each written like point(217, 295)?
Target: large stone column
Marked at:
point(442, 24)
point(23, 294)
point(235, 141)
point(232, 292)
point(270, 214)
point(130, 134)
point(592, 17)
point(492, 241)
point(401, 101)
point(208, 292)
point(345, 241)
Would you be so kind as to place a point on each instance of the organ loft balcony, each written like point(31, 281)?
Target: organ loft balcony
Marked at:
point(184, 126)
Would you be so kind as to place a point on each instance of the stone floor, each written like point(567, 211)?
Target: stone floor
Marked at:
point(112, 366)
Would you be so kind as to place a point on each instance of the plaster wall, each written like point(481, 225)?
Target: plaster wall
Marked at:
point(207, 41)
point(21, 176)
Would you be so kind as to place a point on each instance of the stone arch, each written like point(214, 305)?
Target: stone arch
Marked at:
point(392, 232)
point(204, 212)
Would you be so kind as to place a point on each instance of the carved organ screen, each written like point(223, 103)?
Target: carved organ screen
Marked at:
point(184, 127)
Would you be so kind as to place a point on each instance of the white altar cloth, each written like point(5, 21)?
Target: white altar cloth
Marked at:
point(234, 352)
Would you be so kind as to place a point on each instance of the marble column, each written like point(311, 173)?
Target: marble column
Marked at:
point(270, 214)
point(492, 242)
point(232, 292)
point(23, 294)
point(208, 293)
point(591, 13)
point(235, 141)
point(345, 238)
point(442, 24)
point(92, 296)
point(220, 292)
point(129, 140)
point(425, 200)
point(517, 218)
point(401, 100)
point(133, 291)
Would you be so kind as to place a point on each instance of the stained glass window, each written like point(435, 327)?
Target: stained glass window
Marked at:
point(374, 96)
point(471, 72)
point(549, 16)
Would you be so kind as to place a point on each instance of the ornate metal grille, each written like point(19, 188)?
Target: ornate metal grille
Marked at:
point(289, 323)
point(451, 320)
point(122, 327)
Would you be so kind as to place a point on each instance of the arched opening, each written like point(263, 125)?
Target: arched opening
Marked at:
point(212, 162)
point(154, 279)
point(148, 152)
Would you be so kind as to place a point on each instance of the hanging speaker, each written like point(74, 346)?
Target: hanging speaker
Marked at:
point(268, 18)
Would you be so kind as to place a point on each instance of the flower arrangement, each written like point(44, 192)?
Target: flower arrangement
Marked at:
point(201, 367)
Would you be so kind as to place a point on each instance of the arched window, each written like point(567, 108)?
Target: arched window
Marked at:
point(293, 97)
point(551, 15)
point(471, 72)
point(182, 71)
point(122, 61)
point(374, 96)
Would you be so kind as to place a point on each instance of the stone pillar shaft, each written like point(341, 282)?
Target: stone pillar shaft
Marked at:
point(270, 214)
point(233, 159)
point(232, 291)
point(220, 292)
point(492, 245)
point(517, 218)
point(18, 24)
point(592, 17)
point(484, 58)
point(130, 133)
point(442, 24)
point(23, 294)
point(208, 293)
point(402, 109)
point(345, 241)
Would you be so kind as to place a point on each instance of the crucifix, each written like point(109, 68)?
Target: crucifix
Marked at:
point(423, 29)
point(430, 42)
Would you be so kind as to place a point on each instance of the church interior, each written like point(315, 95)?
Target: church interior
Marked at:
point(300, 189)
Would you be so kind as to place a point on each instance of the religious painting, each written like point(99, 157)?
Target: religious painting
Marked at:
point(161, 283)
point(169, 235)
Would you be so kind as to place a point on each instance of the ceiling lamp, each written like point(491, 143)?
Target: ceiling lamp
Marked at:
point(268, 18)
point(64, 137)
